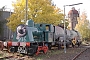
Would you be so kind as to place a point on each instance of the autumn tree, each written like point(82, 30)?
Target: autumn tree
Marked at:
point(83, 26)
point(41, 11)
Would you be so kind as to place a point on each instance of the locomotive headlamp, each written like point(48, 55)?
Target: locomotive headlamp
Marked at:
point(5, 44)
point(9, 43)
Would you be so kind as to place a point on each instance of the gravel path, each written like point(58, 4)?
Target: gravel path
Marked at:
point(85, 55)
point(71, 53)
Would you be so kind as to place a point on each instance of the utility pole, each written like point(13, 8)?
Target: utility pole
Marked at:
point(64, 32)
point(10, 26)
point(26, 8)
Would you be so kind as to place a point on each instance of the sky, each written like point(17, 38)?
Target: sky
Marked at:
point(59, 4)
point(82, 7)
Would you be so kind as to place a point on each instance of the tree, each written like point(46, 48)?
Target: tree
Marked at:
point(83, 26)
point(41, 11)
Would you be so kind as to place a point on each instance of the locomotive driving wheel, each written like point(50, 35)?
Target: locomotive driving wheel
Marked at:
point(32, 50)
point(59, 45)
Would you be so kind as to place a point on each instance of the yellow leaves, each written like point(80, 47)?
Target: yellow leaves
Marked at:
point(82, 26)
point(41, 11)
point(57, 10)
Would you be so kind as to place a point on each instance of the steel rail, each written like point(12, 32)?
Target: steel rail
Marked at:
point(80, 53)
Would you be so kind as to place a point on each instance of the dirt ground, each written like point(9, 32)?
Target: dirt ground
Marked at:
point(53, 54)
point(60, 54)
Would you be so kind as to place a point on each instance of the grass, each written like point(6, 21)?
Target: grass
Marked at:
point(48, 54)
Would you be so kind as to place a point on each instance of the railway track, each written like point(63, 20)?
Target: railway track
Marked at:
point(83, 55)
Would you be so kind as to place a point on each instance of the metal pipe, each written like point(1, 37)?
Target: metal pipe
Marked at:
point(64, 32)
point(74, 4)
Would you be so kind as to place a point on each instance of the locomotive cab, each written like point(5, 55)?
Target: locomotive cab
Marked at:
point(45, 32)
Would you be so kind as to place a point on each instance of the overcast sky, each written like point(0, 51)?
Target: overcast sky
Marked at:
point(60, 4)
point(82, 7)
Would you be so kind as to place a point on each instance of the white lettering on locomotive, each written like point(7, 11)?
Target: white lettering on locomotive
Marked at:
point(22, 39)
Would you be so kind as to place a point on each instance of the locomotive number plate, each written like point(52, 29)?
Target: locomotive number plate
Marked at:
point(21, 49)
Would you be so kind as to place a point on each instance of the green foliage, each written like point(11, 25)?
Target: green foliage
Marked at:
point(41, 11)
point(66, 22)
point(83, 26)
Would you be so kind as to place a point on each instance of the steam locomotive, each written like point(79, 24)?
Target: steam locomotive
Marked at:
point(34, 38)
